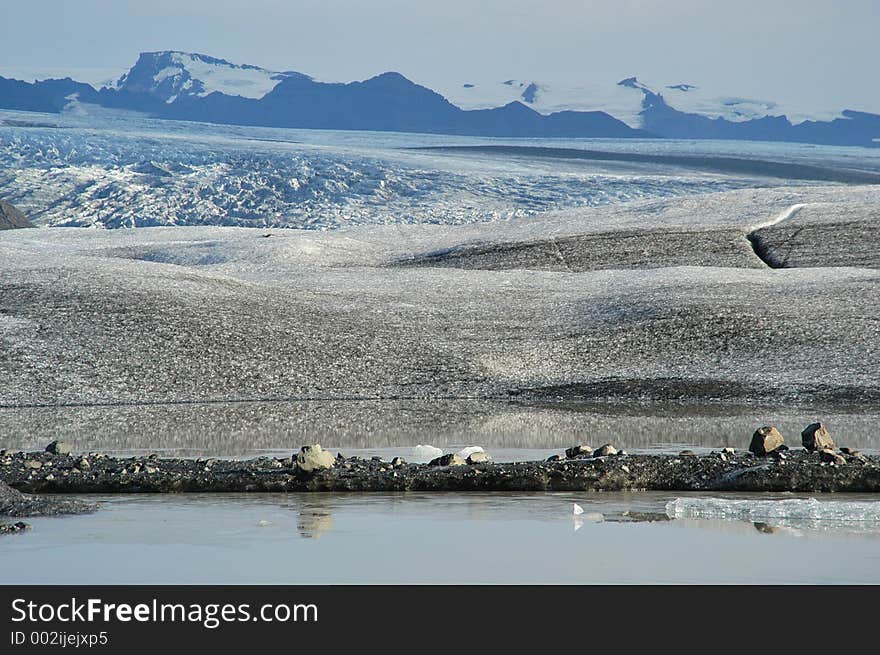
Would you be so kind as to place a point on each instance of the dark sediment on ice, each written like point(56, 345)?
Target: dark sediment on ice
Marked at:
point(645, 300)
point(811, 245)
point(796, 471)
point(706, 390)
point(720, 164)
point(620, 249)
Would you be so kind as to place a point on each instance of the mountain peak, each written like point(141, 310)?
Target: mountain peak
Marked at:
point(633, 83)
point(172, 74)
point(392, 78)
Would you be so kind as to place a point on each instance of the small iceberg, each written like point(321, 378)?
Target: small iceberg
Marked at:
point(793, 513)
point(426, 452)
point(466, 452)
point(578, 509)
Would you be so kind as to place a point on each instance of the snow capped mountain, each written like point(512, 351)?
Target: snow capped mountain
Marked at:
point(712, 103)
point(172, 75)
point(624, 99)
point(546, 97)
point(189, 86)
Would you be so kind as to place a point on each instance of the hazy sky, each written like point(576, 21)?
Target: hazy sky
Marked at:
point(813, 52)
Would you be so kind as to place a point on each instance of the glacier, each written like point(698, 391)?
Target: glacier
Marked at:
point(135, 172)
point(410, 273)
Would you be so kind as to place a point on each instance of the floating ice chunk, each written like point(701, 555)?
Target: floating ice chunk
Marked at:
point(793, 513)
point(578, 509)
point(466, 452)
point(426, 452)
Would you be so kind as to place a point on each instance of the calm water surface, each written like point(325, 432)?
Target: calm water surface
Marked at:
point(439, 538)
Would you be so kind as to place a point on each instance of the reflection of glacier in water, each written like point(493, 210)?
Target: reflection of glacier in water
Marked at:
point(791, 515)
point(141, 174)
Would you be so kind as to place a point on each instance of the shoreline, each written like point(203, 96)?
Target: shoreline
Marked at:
point(719, 471)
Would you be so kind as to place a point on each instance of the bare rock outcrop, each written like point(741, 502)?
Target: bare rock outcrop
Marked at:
point(11, 218)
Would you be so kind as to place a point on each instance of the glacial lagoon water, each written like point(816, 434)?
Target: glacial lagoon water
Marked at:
point(326, 538)
point(442, 538)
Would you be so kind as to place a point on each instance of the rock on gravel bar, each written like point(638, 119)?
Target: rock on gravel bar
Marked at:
point(799, 471)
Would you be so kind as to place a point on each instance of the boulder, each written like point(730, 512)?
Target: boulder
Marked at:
point(855, 455)
point(451, 459)
point(397, 462)
point(314, 458)
point(605, 450)
point(478, 458)
point(816, 437)
point(765, 441)
point(59, 448)
point(828, 455)
point(578, 451)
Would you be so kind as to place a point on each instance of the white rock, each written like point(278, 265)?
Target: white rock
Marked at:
point(312, 458)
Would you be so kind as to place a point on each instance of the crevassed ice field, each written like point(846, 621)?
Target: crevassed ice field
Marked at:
point(97, 168)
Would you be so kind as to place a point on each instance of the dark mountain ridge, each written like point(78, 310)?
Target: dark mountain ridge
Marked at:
point(161, 84)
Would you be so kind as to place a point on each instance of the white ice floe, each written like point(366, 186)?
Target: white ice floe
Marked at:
point(790, 513)
point(466, 452)
point(580, 516)
point(426, 452)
